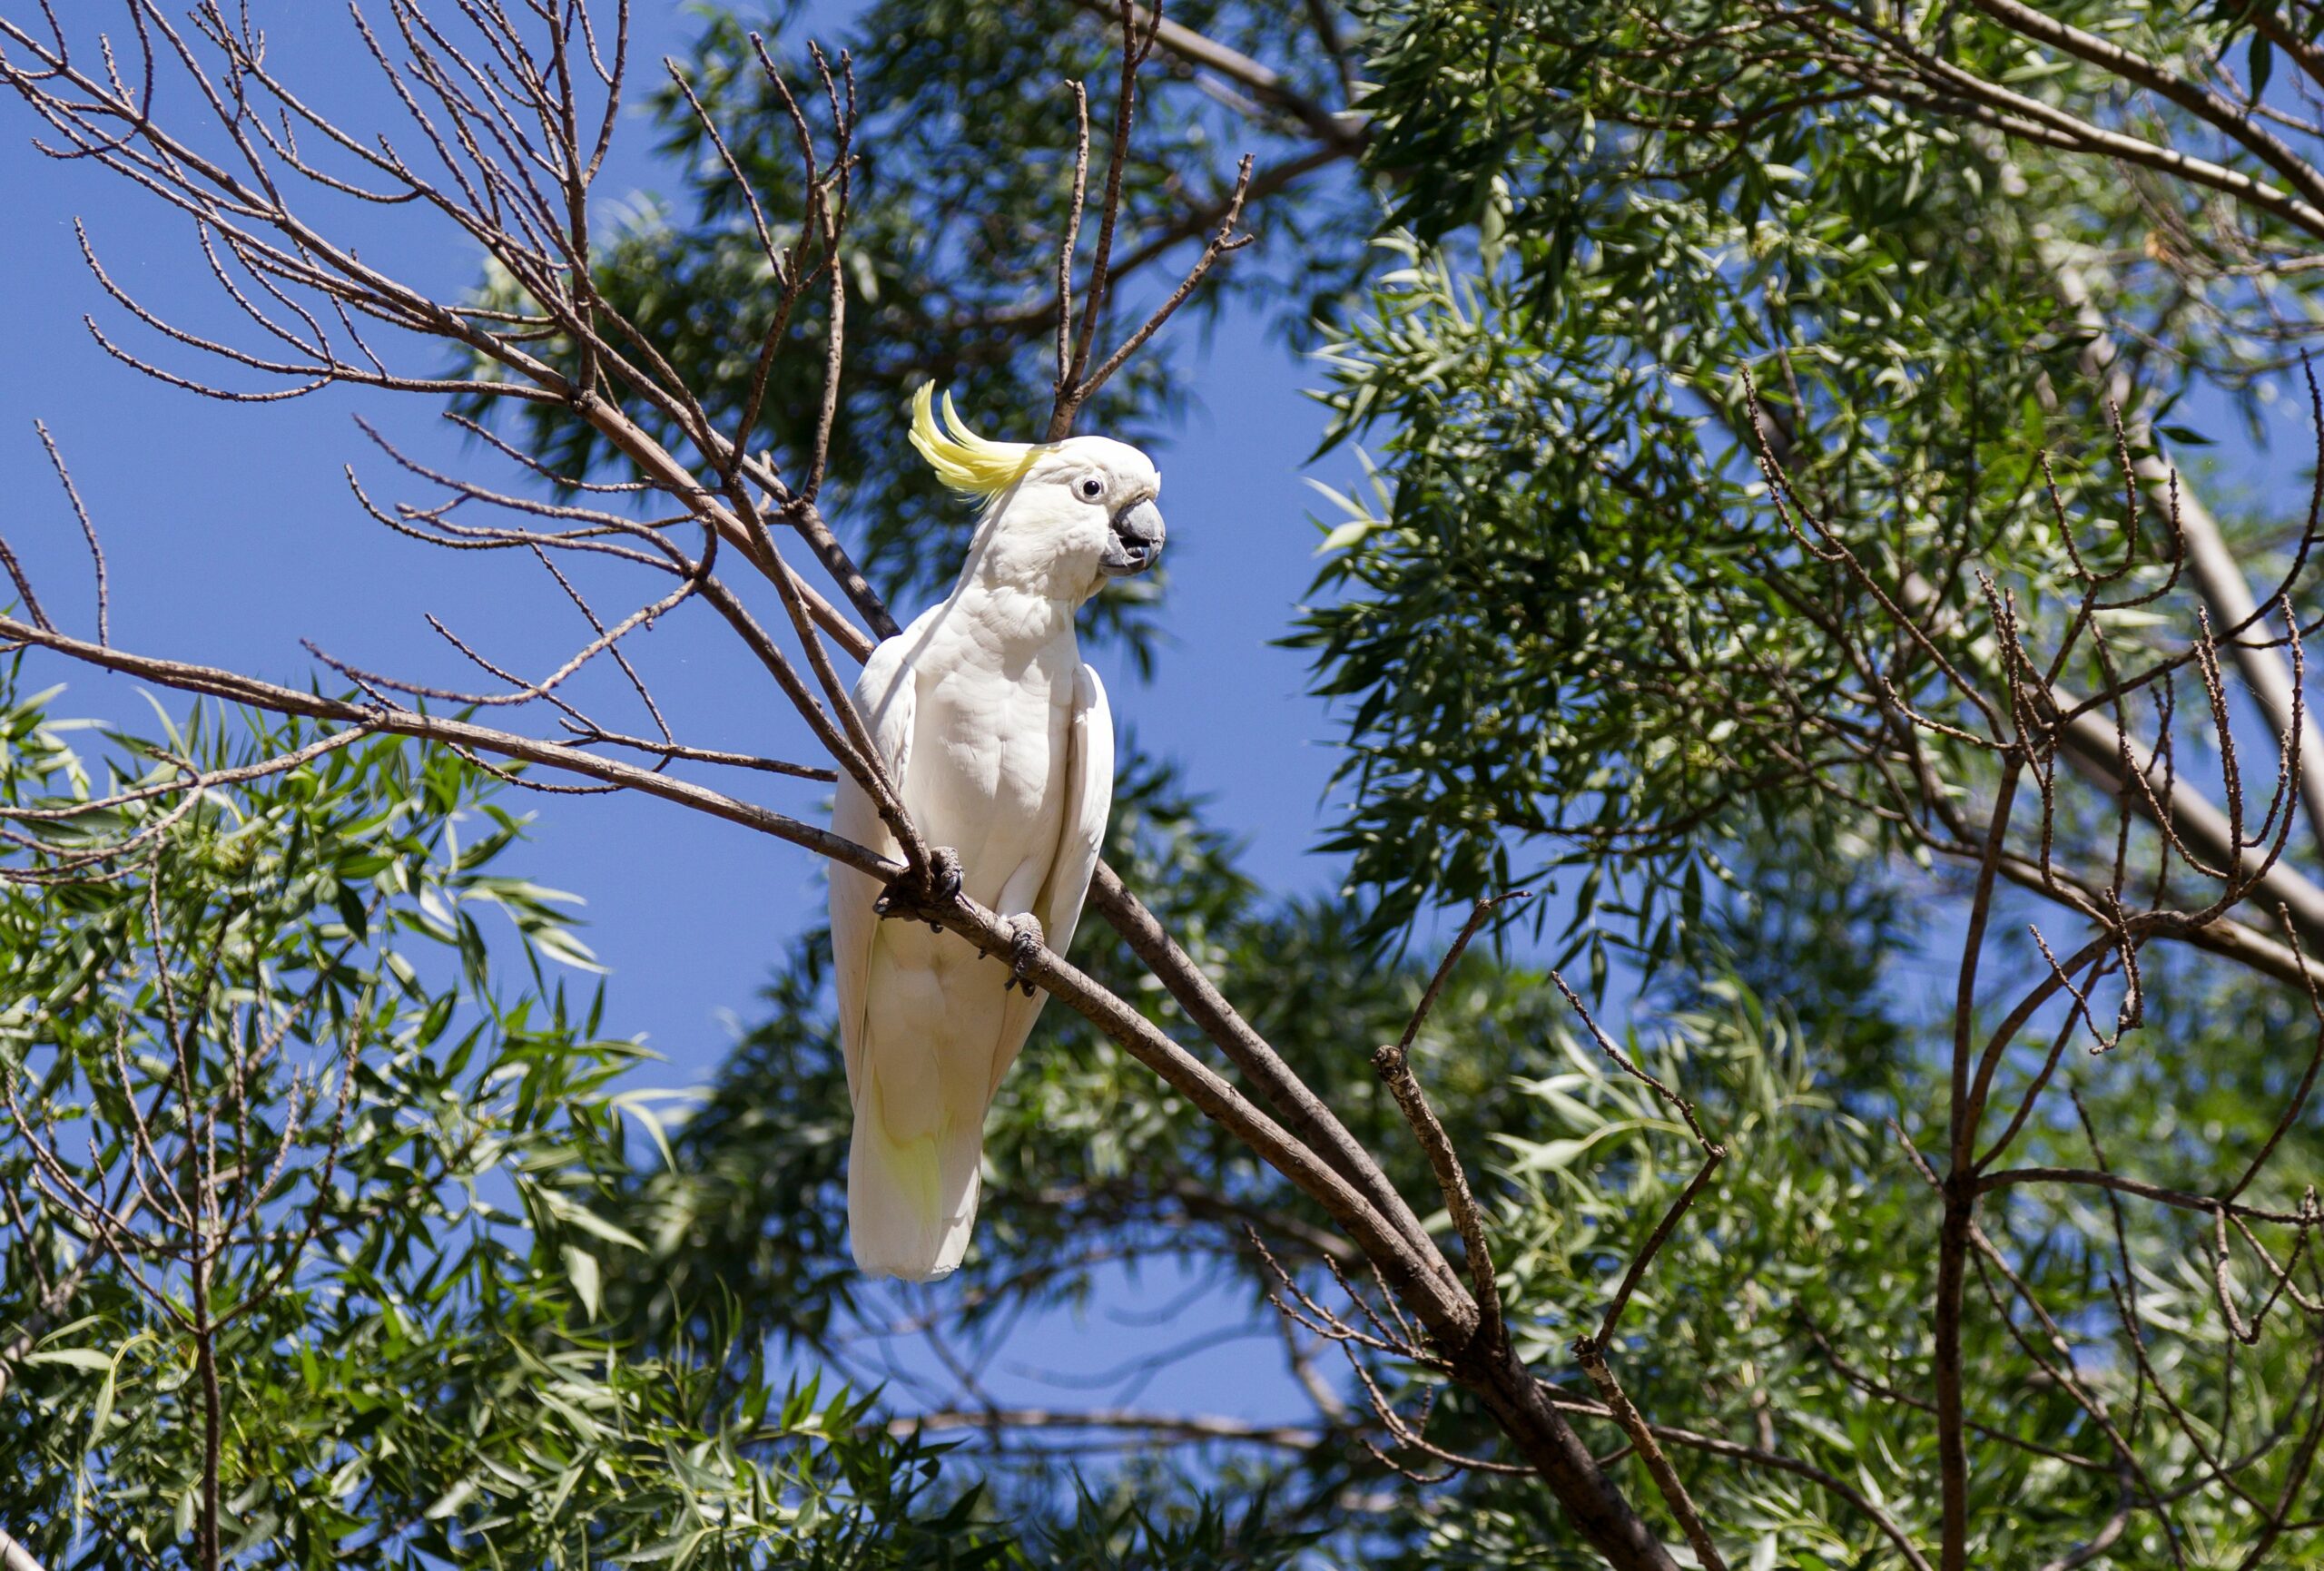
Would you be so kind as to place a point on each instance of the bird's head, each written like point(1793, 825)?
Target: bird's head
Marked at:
point(1061, 516)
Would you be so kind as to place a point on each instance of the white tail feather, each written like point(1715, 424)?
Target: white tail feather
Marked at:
point(911, 1204)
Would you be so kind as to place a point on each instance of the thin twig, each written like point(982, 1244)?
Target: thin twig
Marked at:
point(1394, 1066)
point(88, 533)
point(1592, 1358)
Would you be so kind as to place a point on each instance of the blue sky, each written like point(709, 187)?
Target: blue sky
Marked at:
point(233, 536)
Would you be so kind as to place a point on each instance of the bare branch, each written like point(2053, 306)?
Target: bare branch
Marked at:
point(1591, 1355)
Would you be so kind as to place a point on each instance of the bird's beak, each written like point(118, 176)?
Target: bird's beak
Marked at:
point(1133, 544)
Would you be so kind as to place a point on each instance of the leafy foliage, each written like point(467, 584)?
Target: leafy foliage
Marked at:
point(1561, 631)
point(296, 972)
point(1759, 1323)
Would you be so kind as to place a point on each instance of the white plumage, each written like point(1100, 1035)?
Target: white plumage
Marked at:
point(1001, 747)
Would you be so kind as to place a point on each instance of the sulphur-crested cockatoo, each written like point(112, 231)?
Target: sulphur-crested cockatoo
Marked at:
point(1000, 746)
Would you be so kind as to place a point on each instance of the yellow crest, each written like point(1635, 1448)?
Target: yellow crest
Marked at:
point(962, 459)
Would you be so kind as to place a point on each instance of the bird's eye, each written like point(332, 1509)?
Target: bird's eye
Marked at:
point(1093, 487)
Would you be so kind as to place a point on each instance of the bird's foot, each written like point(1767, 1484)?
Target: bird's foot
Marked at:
point(944, 872)
point(907, 896)
point(943, 878)
point(1025, 941)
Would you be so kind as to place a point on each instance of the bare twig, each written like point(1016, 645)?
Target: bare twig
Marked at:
point(1591, 1356)
point(88, 533)
point(1394, 1066)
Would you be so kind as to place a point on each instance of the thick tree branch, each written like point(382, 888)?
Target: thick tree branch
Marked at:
point(215, 682)
point(1301, 1109)
point(2127, 65)
point(1343, 132)
point(2219, 578)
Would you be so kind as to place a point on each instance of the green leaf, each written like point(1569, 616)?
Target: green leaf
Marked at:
point(588, 1221)
point(450, 1500)
point(582, 1270)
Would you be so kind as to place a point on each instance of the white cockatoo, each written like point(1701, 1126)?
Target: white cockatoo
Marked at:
point(1000, 746)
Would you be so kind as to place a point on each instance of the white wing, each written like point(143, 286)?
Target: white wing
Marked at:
point(1082, 831)
point(911, 1023)
point(888, 697)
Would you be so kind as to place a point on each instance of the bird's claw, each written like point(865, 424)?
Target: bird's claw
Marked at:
point(943, 878)
point(908, 895)
point(1025, 941)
